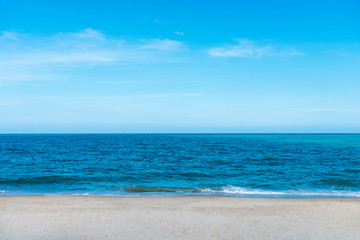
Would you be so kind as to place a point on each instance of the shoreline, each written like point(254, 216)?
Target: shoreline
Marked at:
point(314, 195)
point(305, 197)
point(177, 217)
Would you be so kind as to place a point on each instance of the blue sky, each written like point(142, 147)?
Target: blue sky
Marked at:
point(179, 66)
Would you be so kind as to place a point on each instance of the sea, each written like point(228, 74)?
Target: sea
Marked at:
point(241, 165)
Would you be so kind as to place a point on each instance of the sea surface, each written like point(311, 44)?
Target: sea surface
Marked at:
point(253, 165)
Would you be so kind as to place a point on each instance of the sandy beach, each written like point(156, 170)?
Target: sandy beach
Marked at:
point(177, 217)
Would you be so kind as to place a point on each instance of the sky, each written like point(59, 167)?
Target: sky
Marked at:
point(179, 66)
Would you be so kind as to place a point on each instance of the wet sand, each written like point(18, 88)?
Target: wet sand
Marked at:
point(177, 217)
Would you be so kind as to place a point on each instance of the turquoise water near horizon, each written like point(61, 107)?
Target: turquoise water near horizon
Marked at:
point(256, 165)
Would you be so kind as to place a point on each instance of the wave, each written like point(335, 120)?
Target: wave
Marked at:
point(40, 180)
point(143, 189)
point(223, 191)
point(239, 191)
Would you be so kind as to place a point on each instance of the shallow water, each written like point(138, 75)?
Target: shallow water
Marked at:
point(272, 165)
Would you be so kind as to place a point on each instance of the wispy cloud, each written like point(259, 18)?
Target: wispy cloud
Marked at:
point(99, 98)
point(25, 57)
point(9, 35)
point(163, 45)
point(87, 46)
point(331, 110)
point(10, 103)
point(354, 54)
point(251, 49)
point(151, 95)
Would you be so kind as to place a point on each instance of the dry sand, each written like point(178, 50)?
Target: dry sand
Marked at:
point(177, 217)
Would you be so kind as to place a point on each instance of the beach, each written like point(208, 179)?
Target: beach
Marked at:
point(177, 217)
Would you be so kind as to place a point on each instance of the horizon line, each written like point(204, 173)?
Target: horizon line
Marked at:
point(163, 133)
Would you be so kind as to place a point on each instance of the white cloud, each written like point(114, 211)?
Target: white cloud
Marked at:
point(346, 53)
point(331, 110)
point(87, 33)
point(162, 44)
point(179, 33)
point(87, 46)
point(131, 96)
point(250, 49)
point(25, 57)
point(97, 98)
point(6, 103)
point(9, 35)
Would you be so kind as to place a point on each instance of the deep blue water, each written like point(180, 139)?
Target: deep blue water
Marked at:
point(273, 165)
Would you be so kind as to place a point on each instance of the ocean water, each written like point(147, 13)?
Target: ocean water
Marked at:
point(265, 165)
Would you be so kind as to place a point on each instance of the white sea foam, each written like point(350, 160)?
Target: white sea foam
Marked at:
point(80, 194)
point(233, 190)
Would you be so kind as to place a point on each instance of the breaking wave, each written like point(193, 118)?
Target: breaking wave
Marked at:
point(239, 191)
